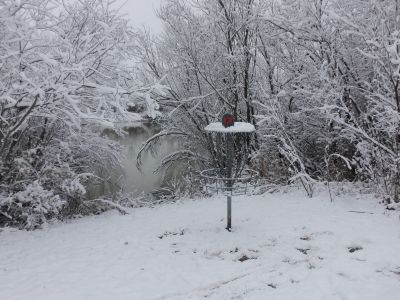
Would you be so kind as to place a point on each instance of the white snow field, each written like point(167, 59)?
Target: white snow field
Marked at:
point(283, 246)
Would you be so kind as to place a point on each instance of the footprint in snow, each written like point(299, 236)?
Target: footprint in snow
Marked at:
point(304, 250)
point(272, 285)
point(171, 233)
point(354, 248)
point(396, 271)
point(245, 257)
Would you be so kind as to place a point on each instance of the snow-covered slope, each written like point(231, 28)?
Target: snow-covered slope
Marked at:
point(283, 246)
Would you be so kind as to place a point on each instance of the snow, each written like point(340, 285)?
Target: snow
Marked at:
point(237, 127)
point(298, 248)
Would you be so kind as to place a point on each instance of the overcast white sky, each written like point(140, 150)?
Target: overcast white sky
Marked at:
point(141, 12)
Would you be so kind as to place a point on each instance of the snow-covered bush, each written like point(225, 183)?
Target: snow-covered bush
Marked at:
point(30, 208)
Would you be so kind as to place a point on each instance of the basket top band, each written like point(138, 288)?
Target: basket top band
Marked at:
point(238, 127)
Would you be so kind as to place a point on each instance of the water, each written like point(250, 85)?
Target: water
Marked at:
point(130, 179)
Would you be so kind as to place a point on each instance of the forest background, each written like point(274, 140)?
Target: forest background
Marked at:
point(319, 79)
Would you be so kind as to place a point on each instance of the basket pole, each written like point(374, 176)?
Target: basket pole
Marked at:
point(229, 213)
point(229, 164)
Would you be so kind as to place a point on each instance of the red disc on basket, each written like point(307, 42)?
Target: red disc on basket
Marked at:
point(228, 120)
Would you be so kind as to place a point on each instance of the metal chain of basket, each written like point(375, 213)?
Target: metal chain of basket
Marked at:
point(215, 181)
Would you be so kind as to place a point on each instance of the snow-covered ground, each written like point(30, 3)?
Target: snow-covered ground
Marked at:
point(283, 246)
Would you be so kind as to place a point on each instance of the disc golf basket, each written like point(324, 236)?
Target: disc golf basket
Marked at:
point(229, 180)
